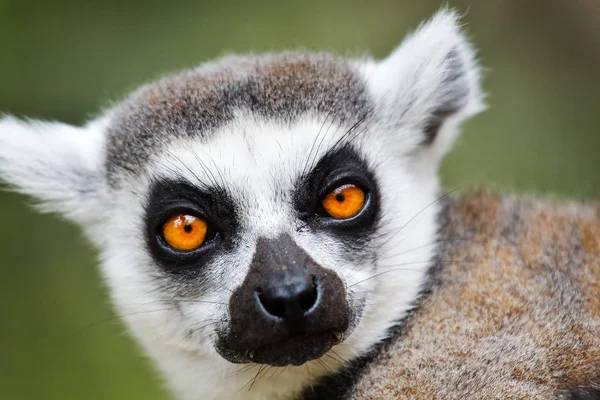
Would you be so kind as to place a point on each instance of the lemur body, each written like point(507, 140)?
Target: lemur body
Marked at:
point(262, 221)
point(514, 312)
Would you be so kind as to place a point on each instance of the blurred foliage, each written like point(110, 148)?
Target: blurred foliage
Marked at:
point(66, 60)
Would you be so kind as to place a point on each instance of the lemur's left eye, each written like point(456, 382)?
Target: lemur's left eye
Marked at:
point(184, 232)
point(344, 202)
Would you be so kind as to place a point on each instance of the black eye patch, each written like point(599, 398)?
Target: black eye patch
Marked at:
point(213, 205)
point(340, 166)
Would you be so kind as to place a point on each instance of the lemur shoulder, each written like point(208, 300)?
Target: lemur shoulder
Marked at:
point(272, 227)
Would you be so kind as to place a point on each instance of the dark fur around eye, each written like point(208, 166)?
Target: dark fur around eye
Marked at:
point(342, 165)
point(213, 205)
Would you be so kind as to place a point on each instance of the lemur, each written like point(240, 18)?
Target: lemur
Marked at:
point(273, 227)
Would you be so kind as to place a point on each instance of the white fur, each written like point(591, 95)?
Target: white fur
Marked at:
point(257, 158)
point(410, 81)
point(57, 163)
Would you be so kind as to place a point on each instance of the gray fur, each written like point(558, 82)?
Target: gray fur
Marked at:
point(196, 103)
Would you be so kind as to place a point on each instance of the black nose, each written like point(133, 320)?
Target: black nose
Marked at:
point(290, 301)
point(288, 309)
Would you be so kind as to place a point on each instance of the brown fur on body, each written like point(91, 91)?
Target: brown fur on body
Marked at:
point(514, 312)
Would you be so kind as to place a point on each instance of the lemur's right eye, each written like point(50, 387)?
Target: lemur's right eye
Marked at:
point(184, 232)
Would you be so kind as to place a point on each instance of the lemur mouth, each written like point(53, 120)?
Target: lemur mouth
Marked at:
point(295, 350)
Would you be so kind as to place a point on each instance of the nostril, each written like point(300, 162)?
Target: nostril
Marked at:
point(273, 305)
point(290, 301)
point(308, 297)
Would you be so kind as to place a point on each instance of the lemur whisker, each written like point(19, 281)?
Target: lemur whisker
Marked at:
point(180, 301)
point(419, 213)
point(409, 269)
point(195, 330)
point(332, 357)
point(420, 247)
point(363, 128)
point(213, 320)
point(205, 168)
point(211, 175)
point(207, 171)
point(332, 120)
point(324, 366)
point(264, 374)
point(282, 370)
point(170, 169)
point(342, 139)
point(116, 317)
point(352, 133)
point(325, 135)
point(275, 370)
point(224, 182)
point(309, 378)
point(253, 381)
point(260, 367)
point(246, 368)
point(310, 152)
point(341, 359)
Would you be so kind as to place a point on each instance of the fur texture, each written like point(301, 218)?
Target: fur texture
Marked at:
point(251, 143)
point(514, 313)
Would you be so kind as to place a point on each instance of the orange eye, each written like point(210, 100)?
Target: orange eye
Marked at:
point(184, 232)
point(344, 202)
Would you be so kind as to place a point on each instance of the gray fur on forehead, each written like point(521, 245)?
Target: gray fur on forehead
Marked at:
point(196, 102)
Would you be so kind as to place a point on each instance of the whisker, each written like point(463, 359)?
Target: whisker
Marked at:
point(246, 368)
point(264, 374)
point(190, 170)
point(309, 378)
point(324, 366)
point(421, 247)
point(314, 161)
point(420, 212)
point(115, 318)
point(353, 132)
point(308, 163)
point(409, 269)
point(282, 370)
point(207, 171)
point(256, 376)
point(342, 139)
point(181, 301)
point(275, 370)
point(342, 360)
point(193, 331)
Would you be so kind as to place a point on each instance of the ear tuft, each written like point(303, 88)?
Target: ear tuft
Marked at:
point(430, 83)
point(56, 163)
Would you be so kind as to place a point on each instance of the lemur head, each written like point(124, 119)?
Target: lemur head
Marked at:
point(275, 210)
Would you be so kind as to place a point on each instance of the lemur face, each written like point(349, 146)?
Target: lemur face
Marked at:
point(265, 233)
point(280, 241)
point(272, 210)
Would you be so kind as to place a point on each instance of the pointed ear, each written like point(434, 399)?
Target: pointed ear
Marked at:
point(58, 164)
point(429, 84)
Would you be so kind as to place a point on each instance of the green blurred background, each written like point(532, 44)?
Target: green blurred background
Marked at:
point(59, 338)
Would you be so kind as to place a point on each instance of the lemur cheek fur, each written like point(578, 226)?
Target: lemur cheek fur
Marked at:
point(288, 310)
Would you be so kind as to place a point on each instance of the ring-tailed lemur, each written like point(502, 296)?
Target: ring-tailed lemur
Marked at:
point(263, 221)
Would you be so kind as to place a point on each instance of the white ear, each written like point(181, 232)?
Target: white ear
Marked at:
point(58, 164)
point(429, 84)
